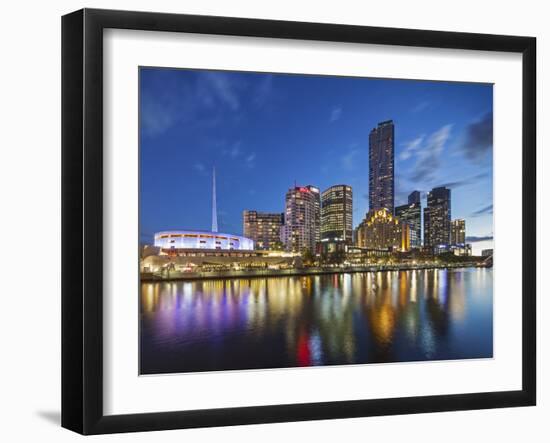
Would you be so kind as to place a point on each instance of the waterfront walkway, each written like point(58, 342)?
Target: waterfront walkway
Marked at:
point(263, 273)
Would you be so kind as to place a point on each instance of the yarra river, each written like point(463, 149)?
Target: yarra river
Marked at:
point(356, 318)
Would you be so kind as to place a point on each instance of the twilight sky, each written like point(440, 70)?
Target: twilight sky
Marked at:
point(263, 132)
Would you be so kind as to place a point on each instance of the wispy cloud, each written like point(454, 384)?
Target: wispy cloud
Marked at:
point(234, 151)
point(159, 109)
point(421, 106)
point(428, 154)
point(250, 160)
point(478, 139)
point(263, 91)
point(465, 182)
point(336, 114)
point(203, 99)
point(155, 119)
point(486, 210)
point(349, 160)
point(402, 190)
point(244, 157)
point(411, 147)
point(475, 239)
point(223, 89)
point(199, 167)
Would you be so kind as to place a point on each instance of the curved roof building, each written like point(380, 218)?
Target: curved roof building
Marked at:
point(202, 240)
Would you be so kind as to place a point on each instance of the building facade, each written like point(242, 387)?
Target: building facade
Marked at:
point(461, 250)
point(190, 261)
point(337, 214)
point(382, 230)
point(381, 166)
point(411, 214)
point(437, 218)
point(301, 230)
point(182, 240)
point(264, 228)
point(360, 256)
point(458, 231)
point(315, 192)
point(414, 197)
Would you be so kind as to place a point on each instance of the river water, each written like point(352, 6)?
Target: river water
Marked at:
point(356, 318)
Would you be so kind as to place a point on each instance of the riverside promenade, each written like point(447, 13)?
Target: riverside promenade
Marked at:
point(169, 275)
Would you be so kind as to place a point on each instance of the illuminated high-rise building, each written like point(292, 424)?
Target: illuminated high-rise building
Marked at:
point(301, 230)
point(381, 166)
point(411, 214)
point(264, 228)
point(437, 218)
point(458, 231)
point(337, 214)
point(382, 230)
point(317, 211)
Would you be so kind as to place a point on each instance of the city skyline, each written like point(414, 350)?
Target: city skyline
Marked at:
point(179, 148)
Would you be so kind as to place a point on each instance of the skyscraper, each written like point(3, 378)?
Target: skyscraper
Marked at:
point(411, 214)
point(264, 228)
point(437, 217)
point(317, 212)
point(381, 170)
point(301, 230)
point(458, 231)
point(414, 197)
point(337, 213)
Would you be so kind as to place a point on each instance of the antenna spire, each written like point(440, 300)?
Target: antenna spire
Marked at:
point(214, 208)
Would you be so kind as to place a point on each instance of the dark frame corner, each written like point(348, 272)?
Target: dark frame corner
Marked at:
point(82, 152)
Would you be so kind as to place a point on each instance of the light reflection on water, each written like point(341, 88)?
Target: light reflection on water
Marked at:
point(316, 320)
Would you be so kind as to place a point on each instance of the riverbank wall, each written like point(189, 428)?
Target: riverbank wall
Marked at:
point(298, 272)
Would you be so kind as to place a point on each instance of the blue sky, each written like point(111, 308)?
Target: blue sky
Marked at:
point(263, 132)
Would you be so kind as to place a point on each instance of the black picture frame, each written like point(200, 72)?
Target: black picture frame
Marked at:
point(82, 219)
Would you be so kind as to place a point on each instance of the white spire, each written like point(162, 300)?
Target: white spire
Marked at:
point(214, 209)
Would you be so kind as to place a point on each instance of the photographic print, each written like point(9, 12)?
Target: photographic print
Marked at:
point(292, 220)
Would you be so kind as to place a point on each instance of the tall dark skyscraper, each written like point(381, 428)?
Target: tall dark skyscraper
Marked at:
point(411, 214)
point(381, 166)
point(437, 217)
point(414, 197)
point(337, 213)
